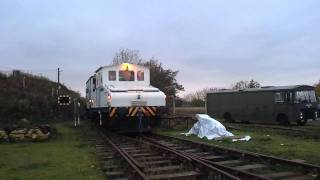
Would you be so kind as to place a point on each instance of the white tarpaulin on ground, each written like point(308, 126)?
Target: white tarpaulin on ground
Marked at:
point(208, 127)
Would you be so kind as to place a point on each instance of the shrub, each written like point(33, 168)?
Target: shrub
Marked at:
point(32, 97)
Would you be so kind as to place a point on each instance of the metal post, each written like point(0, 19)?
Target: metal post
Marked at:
point(59, 76)
point(74, 112)
point(58, 90)
point(78, 113)
point(205, 105)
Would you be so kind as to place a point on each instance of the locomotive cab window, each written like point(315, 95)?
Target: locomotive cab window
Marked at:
point(126, 76)
point(112, 75)
point(140, 75)
point(94, 83)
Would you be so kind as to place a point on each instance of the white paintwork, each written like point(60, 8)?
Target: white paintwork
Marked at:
point(122, 92)
point(90, 93)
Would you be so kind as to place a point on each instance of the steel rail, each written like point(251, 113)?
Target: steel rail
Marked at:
point(307, 168)
point(239, 173)
point(190, 158)
point(203, 167)
point(141, 175)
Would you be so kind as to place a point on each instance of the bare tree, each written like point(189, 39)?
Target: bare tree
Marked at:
point(200, 94)
point(246, 84)
point(317, 86)
point(240, 85)
point(253, 84)
point(127, 56)
point(197, 98)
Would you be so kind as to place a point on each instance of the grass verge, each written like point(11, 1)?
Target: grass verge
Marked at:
point(266, 142)
point(67, 156)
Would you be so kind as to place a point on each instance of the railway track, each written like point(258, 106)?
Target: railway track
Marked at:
point(114, 163)
point(131, 158)
point(242, 164)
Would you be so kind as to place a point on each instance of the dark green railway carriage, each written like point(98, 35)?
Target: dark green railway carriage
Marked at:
point(272, 104)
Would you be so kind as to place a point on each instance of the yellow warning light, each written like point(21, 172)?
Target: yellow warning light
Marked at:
point(125, 66)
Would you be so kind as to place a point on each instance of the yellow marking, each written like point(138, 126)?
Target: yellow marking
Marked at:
point(112, 112)
point(135, 111)
point(154, 108)
point(150, 110)
point(130, 110)
point(145, 112)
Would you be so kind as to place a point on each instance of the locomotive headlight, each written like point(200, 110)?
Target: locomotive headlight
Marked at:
point(125, 66)
point(316, 114)
point(301, 115)
point(109, 98)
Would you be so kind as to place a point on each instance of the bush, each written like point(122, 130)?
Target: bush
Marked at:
point(32, 97)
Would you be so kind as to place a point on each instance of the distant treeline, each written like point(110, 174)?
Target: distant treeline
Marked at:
point(32, 97)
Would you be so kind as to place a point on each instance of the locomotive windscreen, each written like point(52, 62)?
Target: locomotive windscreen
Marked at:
point(126, 76)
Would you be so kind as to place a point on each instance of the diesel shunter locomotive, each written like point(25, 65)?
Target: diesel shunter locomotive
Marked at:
point(121, 98)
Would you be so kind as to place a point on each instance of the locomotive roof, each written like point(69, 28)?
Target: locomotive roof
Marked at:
point(89, 79)
point(102, 67)
point(266, 88)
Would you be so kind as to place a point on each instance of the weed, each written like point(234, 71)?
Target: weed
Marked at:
point(66, 156)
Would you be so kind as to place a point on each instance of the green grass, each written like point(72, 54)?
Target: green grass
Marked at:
point(267, 142)
point(67, 156)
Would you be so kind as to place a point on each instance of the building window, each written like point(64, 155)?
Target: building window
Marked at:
point(112, 75)
point(126, 76)
point(283, 97)
point(305, 96)
point(140, 76)
point(279, 97)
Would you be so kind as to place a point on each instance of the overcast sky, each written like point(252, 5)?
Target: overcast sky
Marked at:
point(212, 43)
